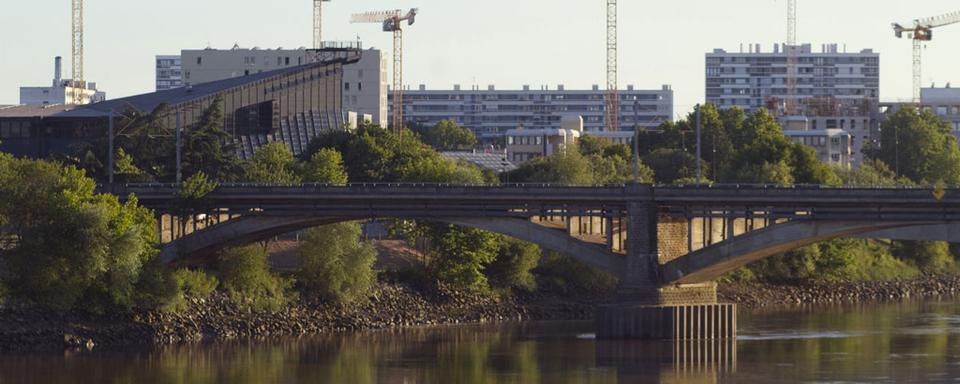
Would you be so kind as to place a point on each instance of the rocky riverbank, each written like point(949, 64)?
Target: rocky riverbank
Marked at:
point(756, 295)
point(217, 318)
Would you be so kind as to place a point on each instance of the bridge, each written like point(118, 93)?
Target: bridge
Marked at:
point(667, 244)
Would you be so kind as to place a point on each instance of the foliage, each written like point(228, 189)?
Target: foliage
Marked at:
point(834, 260)
point(73, 247)
point(179, 287)
point(514, 264)
point(325, 166)
point(335, 264)
point(673, 165)
point(208, 148)
point(603, 163)
point(195, 284)
point(920, 146)
point(272, 163)
point(460, 255)
point(559, 273)
point(245, 275)
point(872, 173)
point(928, 256)
point(448, 136)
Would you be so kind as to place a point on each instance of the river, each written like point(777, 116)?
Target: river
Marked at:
point(905, 342)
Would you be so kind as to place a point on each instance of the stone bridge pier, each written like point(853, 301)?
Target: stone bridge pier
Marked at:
point(645, 308)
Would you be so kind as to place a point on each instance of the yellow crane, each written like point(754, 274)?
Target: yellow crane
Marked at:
point(792, 59)
point(318, 23)
point(392, 21)
point(921, 31)
point(77, 82)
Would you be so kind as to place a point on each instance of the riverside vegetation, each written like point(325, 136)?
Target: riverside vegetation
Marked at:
point(67, 249)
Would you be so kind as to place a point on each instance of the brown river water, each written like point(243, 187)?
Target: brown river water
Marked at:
point(917, 342)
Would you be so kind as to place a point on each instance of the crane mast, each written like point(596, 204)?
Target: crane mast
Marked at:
point(392, 21)
point(792, 59)
point(612, 100)
point(318, 23)
point(921, 31)
point(77, 82)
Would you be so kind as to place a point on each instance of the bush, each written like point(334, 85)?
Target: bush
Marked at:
point(460, 255)
point(564, 274)
point(335, 264)
point(195, 284)
point(928, 256)
point(831, 261)
point(514, 265)
point(246, 276)
point(158, 289)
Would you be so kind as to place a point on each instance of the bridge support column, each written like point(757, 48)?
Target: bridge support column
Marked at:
point(646, 310)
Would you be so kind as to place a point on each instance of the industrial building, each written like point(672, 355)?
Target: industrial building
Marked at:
point(364, 83)
point(291, 105)
point(490, 113)
point(835, 89)
point(60, 91)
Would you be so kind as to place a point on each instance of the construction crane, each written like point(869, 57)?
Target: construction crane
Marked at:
point(77, 82)
point(392, 21)
point(612, 99)
point(921, 31)
point(792, 59)
point(318, 23)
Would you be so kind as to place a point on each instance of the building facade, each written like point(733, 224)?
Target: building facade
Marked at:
point(835, 89)
point(524, 144)
point(490, 113)
point(290, 105)
point(364, 82)
point(943, 102)
point(61, 91)
point(169, 72)
point(833, 146)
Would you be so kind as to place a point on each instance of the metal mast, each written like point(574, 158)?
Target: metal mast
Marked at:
point(923, 31)
point(392, 22)
point(318, 23)
point(612, 99)
point(77, 83)
point(792, 59)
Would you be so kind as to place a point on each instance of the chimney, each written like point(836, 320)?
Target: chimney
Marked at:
point(57, 71)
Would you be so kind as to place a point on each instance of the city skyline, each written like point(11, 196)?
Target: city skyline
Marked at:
point(534, 43)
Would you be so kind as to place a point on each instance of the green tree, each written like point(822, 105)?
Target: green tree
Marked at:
point(920, 146)
point(672, 165)
point(245, 274)
point(335, 264)
point(208, 148)
point(514, 264)
point(272, 163)
point(928, 256)
point(461, 254)
point(325, 166)
point(448, 136)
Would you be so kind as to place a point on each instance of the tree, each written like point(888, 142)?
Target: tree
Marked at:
point(325, 166)
point(208, 148)
point(245, 274)
point(672, 165)
point(461, 254)
point(272, 163)
point(448, 136)
point(920, 146)
point(514, 264)
point(335, 264)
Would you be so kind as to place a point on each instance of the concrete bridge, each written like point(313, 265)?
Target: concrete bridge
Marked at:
point(667, 244)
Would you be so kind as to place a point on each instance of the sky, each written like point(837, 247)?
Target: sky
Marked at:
point(507, 43)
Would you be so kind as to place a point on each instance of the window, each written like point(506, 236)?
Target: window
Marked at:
point(359, 86)
point(346, 86)
point(509, 140)
point(199, 60)
point(279, 61)
point(187, 75)
point(286, 61)
point(539, 140)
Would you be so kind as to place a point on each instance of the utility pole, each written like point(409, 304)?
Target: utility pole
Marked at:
point(699, 153)
point(110, 155)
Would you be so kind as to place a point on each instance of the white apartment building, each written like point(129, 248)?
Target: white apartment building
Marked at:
point(61, 91)
point(169, 72)
point(835, 89)
point(833, 146)
point(490, 113)
point(364, 83)
point(524, 144)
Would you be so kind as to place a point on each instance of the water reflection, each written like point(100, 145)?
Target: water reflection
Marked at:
point(901, 342)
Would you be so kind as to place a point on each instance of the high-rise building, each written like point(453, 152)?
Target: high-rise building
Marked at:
point(61, 90)
point(835, 89)
point(169, 72)
point(490, 113)
point(364, 83)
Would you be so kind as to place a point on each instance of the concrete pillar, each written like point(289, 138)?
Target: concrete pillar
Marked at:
point(641, 246)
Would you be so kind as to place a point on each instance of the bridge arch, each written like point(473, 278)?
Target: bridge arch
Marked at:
point(710, 263)
point(250, 229)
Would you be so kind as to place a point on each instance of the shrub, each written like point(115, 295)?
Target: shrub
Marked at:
point(928, 256)
point(514, 265)
point(460, 255)
point(564, 274)
point(246, 276)
point(158, 289)
point(335, 264)
point(195, 284)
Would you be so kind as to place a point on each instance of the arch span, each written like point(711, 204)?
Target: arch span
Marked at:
point(711, 262)
point(250, 229)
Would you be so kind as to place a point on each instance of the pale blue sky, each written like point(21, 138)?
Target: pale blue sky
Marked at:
point(507, 43)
